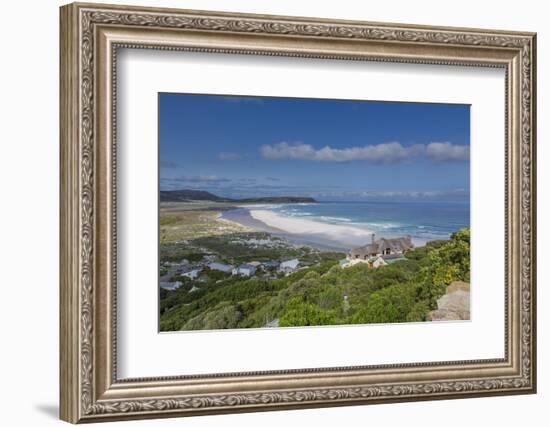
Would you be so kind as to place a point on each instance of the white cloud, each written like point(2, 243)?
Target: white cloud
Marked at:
point(445, 151)
point(390, 152)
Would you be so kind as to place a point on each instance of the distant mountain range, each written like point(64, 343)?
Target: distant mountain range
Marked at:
point(198, 195)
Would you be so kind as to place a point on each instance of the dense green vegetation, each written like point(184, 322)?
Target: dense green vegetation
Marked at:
point(322, 294)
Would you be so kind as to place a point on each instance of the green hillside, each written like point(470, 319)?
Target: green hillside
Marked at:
point(322, 294)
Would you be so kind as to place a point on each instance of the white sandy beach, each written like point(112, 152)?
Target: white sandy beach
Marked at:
point(341, 234)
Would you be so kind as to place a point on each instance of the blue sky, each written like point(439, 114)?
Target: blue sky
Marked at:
point(328, 149)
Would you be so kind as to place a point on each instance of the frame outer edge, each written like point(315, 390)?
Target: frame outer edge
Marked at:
point(77, 225)
point(69, 354)
point(533, 206)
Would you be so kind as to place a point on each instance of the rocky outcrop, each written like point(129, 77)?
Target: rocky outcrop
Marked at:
point(454, 305)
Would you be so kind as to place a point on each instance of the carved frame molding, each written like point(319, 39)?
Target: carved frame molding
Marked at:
point(90, 36)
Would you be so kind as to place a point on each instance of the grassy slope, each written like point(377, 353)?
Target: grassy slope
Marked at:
point(189, 221)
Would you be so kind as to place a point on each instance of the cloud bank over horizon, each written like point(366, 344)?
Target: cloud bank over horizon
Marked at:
point(389, 152)
point(232, 189)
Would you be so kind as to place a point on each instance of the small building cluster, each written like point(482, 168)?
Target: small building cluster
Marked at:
point(193, 270)
point(379, 252)
point(249, 269)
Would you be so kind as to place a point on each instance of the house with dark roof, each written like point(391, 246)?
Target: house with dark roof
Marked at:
point(289, 266)
point(218, 266)
point(245, 270)
point(381, 247)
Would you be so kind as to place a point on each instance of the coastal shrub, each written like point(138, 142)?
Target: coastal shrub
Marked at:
point(194, 257)
point(265, 313)
point(174, 298)
point(312, 275)
point(224, 316)
point(445, 273)
point(214, 275)
point(254, 311)
point(417, 254)
point(251, 304)
point(299, 313)
point(174, 252)
point(169, 325)
point(453, 258)
point(330, 298)
point(179, 278)
point(388, 305)
point(418, 312)
point(448, 263)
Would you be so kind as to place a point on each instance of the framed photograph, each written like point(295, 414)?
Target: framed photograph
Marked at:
point(265, 212)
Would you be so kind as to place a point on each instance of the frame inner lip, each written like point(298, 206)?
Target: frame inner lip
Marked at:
point(342, 370)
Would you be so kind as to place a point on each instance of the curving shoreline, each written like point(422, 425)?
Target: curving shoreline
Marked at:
point(323, 235)
point(342, 234)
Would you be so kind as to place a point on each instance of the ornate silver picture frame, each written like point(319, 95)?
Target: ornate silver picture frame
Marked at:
point(91, 34)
